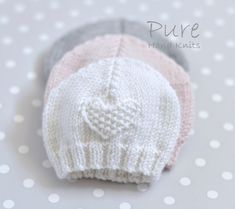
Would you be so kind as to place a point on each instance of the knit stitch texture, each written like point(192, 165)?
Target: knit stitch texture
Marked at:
point(129, 46)
point(115, 26)
point(116, 119)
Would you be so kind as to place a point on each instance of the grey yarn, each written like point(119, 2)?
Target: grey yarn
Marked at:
point(115, 26)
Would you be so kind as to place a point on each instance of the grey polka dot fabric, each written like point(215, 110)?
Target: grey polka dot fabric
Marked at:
point(204, 174)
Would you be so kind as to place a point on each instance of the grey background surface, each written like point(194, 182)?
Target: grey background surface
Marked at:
point(204, 174)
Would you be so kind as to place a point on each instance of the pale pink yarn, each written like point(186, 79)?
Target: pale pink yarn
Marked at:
point(129, 46)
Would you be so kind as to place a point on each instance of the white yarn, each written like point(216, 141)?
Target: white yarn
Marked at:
point(117, 119)
point(109, 120)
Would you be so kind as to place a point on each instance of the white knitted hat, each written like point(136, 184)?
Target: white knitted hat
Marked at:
point(117, 119)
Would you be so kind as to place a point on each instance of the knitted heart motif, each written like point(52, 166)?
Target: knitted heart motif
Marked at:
point(109, 120)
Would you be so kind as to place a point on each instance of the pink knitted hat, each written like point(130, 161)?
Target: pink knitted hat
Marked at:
point(129, 46)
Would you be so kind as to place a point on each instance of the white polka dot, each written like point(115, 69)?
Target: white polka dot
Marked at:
point(216, 97)
point(39, 16)
point(200, 162)
point(197, 13)
point(88, 3)
point(43, 37)
point(125, 205)
point(23, 28)
point(229, 82)
point(185, 181)
point(208, 34)
point(218, 57)
point(230, 10)
point(7, 40)
point(19, 8)
point(209, 2)
point(53, 198)
point(206, 71)
point(28, 183)
point(194, 86)
point(10, 64)
point(203, 114)
point(230, 43)
point(212, 194)
point(31, 75)
point(123, 1)
point(109, 10)
point(191, 132)
point(228, 126)
point(18, 118)
point(0, 106)
point(142, 187)
point(226, 175)
point(4, 20)
point(46, 164)
point(2, 135)
point(169, 200)
point(27, 50)
point(4, 168)
point(14, 89)
point(143, 7)
point(23, 149)
point(215, 144)
point(8, 204)
point(98, 192)
point(36, 102)
point(164, 16)
point(73, 13)
point(54, 5)
point(59, 25)
point(177, 4)
point(219, 22)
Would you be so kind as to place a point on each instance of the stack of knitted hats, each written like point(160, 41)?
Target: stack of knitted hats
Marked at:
point(115, 108)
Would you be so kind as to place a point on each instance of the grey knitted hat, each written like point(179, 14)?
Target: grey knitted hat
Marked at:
point(115, 26)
